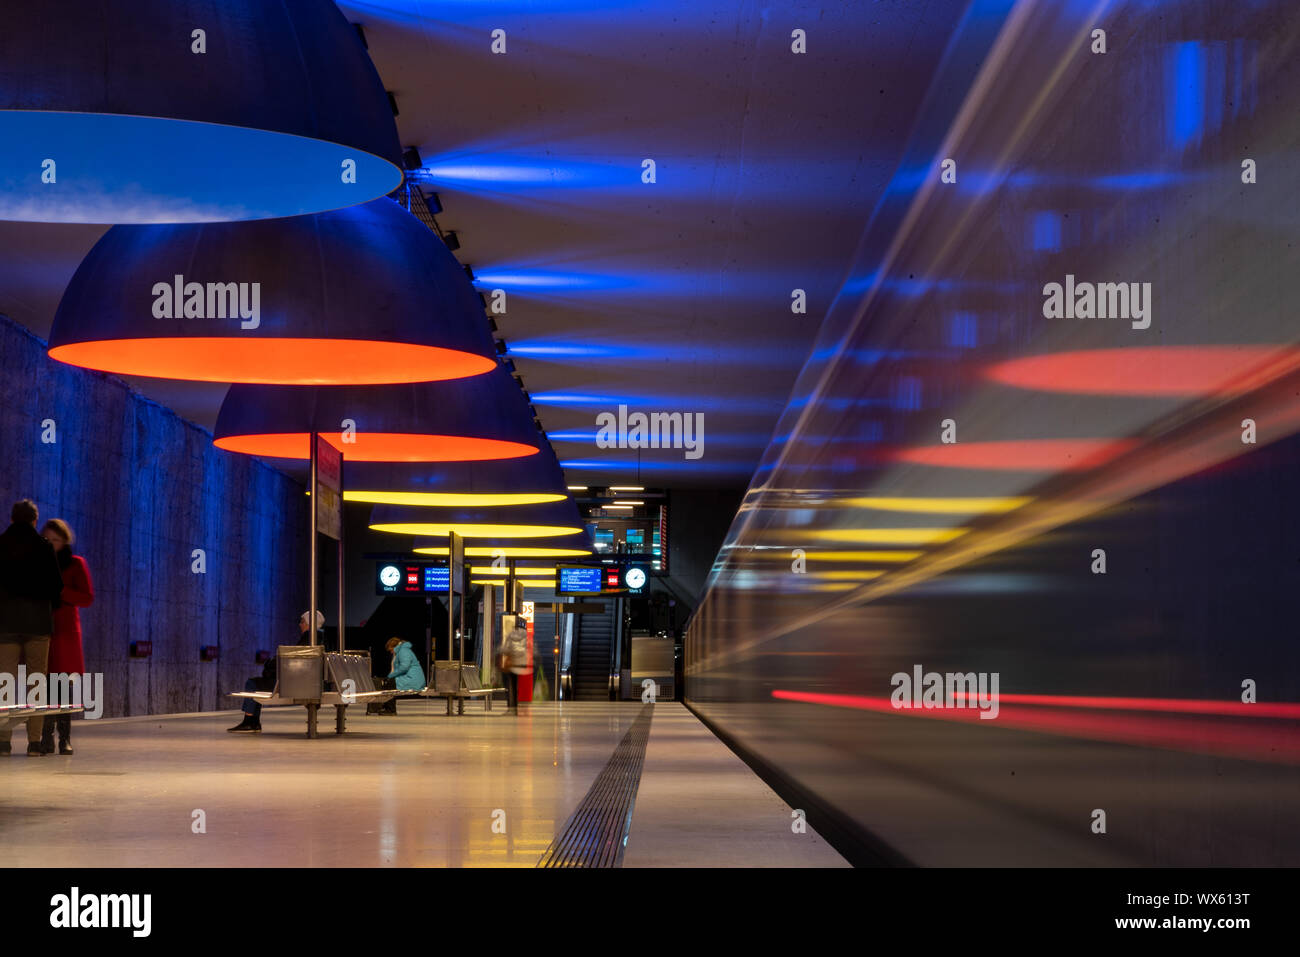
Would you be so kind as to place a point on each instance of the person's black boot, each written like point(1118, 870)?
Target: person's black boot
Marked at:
point(34, 749)
point(65, 734)
point(6, 747)
point(247, 725)
point(47, 737)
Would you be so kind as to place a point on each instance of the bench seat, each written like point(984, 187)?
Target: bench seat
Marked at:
point(13, 715)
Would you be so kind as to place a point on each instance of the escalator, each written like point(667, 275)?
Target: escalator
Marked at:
point(593, 646)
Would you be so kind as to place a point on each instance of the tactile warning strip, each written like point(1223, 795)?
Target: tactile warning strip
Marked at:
point(596, 832)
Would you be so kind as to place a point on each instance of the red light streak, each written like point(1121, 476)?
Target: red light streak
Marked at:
point(1076, 717)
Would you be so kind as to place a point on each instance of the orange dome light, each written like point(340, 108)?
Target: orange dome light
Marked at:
point(266, 361)
point(365, 295)
point(378, 447)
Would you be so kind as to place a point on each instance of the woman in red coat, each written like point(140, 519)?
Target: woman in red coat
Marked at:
point(66, 656)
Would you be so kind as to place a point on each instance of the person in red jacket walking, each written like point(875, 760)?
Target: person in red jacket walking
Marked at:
point(66, 656)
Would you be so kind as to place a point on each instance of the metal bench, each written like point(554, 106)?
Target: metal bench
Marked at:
point(13, 715)
point(301, 672)
point(455, 683)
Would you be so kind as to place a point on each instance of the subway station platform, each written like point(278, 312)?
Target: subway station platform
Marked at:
point(485, 789)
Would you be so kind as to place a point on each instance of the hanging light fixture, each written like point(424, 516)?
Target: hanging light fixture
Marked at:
point(354, 296)
point(567, 546)
point(182, 111)
point(500, 483)
point(551, 520)
point(483, 417)
point(521, 571)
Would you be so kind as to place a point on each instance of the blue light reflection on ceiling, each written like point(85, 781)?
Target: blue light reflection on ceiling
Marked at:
point(546, 280)
point(776, 355)
point(578, 179)
point(436, 13)
point(606, 402)
point(684, 466)
point(735, 440)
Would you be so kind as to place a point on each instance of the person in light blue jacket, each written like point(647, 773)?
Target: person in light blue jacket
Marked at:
point(407, 673)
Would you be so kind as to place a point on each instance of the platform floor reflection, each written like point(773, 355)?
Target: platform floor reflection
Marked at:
point(417, 789)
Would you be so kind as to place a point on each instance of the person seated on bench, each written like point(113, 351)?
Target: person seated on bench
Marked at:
point(407, 675)
point(252, 722)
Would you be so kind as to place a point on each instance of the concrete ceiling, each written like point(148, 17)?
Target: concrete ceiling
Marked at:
point(672, 296)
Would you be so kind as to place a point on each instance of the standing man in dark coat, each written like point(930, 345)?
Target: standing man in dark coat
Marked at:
point(30, 584)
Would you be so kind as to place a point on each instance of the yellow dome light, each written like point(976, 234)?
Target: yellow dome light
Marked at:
point(509, 551)
point(452, 499)
point(502, 581)
point(442, 529)
point(519, 572)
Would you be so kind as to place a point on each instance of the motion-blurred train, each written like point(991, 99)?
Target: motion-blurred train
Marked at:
point(1101, 510)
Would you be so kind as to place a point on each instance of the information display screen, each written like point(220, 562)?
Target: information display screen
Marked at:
point(578, 580)
point(410, 578)
point(642, 539)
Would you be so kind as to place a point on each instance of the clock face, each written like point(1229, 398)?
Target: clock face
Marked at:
point(635, 578)
point(390, 575)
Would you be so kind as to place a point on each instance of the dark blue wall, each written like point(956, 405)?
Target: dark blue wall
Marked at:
point(142, 488)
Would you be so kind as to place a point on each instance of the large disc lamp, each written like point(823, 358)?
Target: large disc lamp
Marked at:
point(499, 483)
point(552, 520)
point(567, 546)
point(356, 296)
point(182, 111)
point(483, 417)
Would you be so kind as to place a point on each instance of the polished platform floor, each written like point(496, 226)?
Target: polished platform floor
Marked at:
point(417, 789)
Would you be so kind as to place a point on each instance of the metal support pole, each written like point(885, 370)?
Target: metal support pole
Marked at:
point(311, 602)
point(461, 634)
point(342, 624)
point(428, 637)
point(343, 628)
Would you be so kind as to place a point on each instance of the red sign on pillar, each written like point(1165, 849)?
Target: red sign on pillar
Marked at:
point(526, 681)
